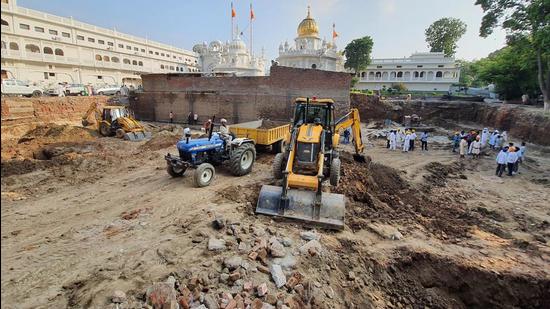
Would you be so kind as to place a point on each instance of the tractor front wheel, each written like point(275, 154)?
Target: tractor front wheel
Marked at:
point(204, 174)
point(174, 172)
point(104, 129)
point(242, 159)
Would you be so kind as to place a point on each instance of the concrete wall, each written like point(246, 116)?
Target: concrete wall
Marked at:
point(237, 99)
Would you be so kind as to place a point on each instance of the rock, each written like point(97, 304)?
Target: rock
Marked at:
point(218, 223)
point(288, 262)
point(216, 244)
point(277, 275)
point(243, 247)
point(262, 255)
point(199, 307)
point(232, 304)
point(263, 269)
point(245, 265)
point(210, 302)
point(351, 275)
point(233, 262)
point(118, 297)
point(162, 295)
point(294, 280)
point(234, 276)
point(276, 248)
point(262, 289)
point(386, 231)
point(224, 277)
point(396, 236)
point(253, 255)
point(312, 247)
point(271, 299)
point(310, 235)
point(287, 242)
point(267, 306)
point(248, 286)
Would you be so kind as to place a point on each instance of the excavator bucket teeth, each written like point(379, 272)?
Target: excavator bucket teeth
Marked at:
point(137, 136)
point(300, 206)
point(359, 158)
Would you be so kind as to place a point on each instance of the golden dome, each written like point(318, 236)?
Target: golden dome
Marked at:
point(308, 26)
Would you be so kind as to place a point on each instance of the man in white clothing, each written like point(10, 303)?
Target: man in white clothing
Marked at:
point(501, 161)
point(407, 142)
point(392, 140)
point(484, 137)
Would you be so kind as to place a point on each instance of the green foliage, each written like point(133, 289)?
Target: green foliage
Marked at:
point(399, 87)
point(469, 74)
point(443, 35)
point(528, 26)
point(512, 70)
point(357, 54)
point(354, 81)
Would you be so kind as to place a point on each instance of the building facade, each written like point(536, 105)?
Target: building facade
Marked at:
point(419, 72)
point(46, 49)
point(230, 57)
point(309, 51)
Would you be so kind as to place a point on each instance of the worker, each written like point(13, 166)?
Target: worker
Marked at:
point(189, 118)
point(499, 142)
point(504, 137)
point(399, 138)
point(511, 160)
point(124, 91)
point(171, 115)
point(407, 141)
point(186, 133)
point(393, 140)
point(195, 118)
point(413, 139)
point(475, 147)
point(493, 139)
point(456, 141)
point(521, 156)
point(60, 90)
point(484, 137)
point(424, 140)
point(501, 161)
point(207, 126)
point(224, 129)
point(347, 134)
point(388, 141)
point(463, 147)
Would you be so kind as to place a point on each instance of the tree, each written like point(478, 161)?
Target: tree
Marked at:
point(357, 54)
point(443, 34)
point(527, 23)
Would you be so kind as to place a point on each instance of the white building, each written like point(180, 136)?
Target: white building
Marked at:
point(419, 72)
point(309, 51)
point(231, 57)
point(46, 49)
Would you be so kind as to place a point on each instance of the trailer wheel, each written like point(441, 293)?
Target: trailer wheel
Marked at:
point(278, 146)
point(278, 165)
point(335, 171)
point(242, 159)
point(204, 174)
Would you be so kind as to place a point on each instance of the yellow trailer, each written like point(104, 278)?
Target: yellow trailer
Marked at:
point(263, 132)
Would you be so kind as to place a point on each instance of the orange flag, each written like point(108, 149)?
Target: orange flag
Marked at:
point(251, 13)
point(334, 33)
point(233, 13)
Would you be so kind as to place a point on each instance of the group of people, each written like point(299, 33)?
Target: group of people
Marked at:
point(508, 157)
point(405, 140)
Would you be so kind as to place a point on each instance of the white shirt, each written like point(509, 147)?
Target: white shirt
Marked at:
point(501, 157)
point(512, 157)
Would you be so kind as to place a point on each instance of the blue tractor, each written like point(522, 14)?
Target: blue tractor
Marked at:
point(203, 154)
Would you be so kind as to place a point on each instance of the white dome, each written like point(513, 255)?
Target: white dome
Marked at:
point(237, 45)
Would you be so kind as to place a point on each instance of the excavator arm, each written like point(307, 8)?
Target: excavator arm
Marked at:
point(351, 120)
point(93, 109)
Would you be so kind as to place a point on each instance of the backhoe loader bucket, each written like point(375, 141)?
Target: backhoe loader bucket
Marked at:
point(301, 206)
point(137, 136)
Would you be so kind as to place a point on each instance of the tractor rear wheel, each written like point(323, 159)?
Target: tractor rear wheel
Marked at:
point(335, 171)
point(204, 174)
point(174, 172)
point(278, 165)
point(242, 159)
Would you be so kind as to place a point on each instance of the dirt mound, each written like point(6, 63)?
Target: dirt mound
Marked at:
point(439, 173)
point(161, 140)
point(379, 193)
point(269, 124)
point(241, 194)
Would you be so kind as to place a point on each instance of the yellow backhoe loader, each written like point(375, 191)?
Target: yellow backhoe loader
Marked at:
point(310, 157)
point(115, 120)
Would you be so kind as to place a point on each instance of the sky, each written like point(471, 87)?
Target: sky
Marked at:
point(396, 26)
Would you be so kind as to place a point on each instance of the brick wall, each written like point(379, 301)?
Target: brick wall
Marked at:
point(237, 99)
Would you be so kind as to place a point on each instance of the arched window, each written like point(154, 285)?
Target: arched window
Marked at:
point(430, 75)
point(48, 50)
point(392, 75)
point(399, 74)
point(407, 75)
point(371, 75)
point(415, 74)
point(4, 45)
point(447, 74)
point(14, 46)
point(171, 68)
point(126, 61)
point(140, 63)
point(378, 74)
point(438, 74)
point(106, 59)
point(162, 66)
point(115, 60)
point(32, 48)
point(385, 75)
point(134, 62)
point(5, 23)
point(422, 74)
point(363, 74)
point(98, 58)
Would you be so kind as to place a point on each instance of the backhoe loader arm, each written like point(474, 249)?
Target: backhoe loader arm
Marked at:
point(352, 120)
point(93, 109)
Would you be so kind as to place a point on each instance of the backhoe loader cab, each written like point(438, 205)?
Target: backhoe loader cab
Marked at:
point(115, 120)
point(309, 159)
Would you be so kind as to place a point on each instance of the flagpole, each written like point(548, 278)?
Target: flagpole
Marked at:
point(251, 50)
point(232, 27)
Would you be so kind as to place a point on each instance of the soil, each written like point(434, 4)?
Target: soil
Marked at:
point(270, 124)
point(83, 217)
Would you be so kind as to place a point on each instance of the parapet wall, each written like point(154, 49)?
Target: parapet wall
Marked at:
point(238, 99)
